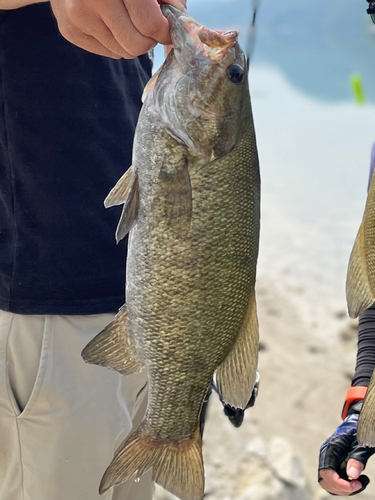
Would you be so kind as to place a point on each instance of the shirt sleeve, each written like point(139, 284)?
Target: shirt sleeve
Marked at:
point(366, 348)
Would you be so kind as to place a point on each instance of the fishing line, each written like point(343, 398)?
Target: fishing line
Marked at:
point(250, 43)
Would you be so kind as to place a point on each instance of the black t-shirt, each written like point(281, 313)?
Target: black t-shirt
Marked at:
point(67, 120)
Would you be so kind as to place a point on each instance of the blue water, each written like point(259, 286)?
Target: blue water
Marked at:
point(314, 141)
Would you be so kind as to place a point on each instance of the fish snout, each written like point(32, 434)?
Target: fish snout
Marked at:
point(191, 38)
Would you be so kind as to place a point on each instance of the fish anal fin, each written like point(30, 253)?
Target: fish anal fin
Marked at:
point(176, 466)
point(111, 348)
point(360, 294)
point(236, 375)
point(176, 196)
point(366, 423)
point(126, 192)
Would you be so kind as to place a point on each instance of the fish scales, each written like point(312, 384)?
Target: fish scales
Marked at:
point(192, 205)
point(192, 291)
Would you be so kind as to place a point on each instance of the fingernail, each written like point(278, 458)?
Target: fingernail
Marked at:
point(352, 473)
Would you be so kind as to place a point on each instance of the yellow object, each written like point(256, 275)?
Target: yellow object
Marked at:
point(357, 87)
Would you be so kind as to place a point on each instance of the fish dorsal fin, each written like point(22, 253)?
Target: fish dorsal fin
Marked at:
point(126, 192)
point(360, 294)
point(360, 281)
point(111, 347)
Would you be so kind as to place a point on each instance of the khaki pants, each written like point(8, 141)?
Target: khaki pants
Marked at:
point(61, 420)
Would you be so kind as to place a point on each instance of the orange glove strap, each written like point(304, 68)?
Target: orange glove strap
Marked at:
point(353, 394)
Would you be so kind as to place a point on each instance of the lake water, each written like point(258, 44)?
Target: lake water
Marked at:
point(314, 141)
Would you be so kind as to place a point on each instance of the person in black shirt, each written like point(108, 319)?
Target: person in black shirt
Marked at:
point(67, 119)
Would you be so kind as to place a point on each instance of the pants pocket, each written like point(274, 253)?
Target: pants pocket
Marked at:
point(27, 349)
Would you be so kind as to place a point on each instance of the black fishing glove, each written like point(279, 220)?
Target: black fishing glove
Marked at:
point(342, 446)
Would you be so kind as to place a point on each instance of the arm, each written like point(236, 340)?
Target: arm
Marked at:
point(15, 4)
point(342, 446)
point(366, 348)
point(114, 28)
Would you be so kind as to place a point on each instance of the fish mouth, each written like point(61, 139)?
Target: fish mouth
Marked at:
point(186, 33)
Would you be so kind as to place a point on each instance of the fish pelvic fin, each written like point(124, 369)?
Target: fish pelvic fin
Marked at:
point(176, 465)
point(126, 192)
point(360, 293)
point(366, 423)
point(111, 348)
point(236, 375)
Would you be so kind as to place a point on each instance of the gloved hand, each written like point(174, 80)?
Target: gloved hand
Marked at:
point(342, 460)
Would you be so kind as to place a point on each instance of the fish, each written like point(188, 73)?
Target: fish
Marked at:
point(360, 281)
point(191, 205)
point(360, 293)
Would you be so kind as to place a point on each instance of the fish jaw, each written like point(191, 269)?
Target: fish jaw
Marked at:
point(191, 39)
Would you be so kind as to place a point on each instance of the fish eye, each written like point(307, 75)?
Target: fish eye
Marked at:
point(235, 73)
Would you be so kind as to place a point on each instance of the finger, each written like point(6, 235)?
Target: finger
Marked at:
point(70, 25)
point(334, 452)
point(100, 31)
point(88, 43)
point(149, 20)
point(80, 19)
point(335, 485)
point(361, 454)
point(354, 468)
point(122, 27)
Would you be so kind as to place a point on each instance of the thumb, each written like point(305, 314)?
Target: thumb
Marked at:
point(354, 468)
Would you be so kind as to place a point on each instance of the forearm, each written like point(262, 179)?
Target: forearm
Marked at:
point(15, 4)
point(366, 348)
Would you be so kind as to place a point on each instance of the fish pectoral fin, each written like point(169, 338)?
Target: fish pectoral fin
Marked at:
point(176, 465)
point(236, 375)
point(119, 194)
point(176, 196)
point(126, 192)
point(360, 294)
point(366, 423)
point(111, 348)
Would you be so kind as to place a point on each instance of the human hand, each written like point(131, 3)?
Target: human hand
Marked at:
point(114, 28)
point(342, 460)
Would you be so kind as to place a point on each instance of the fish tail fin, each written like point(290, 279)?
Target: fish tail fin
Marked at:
point(176, 465)
point(359, 293)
